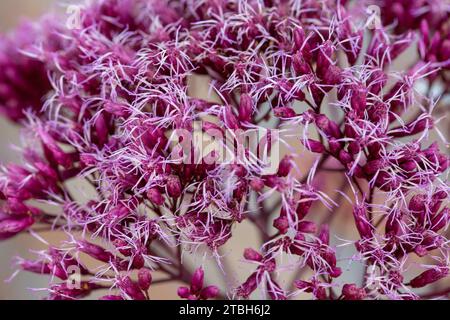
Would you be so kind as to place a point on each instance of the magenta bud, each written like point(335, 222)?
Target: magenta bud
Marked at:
point(285, 166)
point(284, 112)
point(281, 224)
point(174, 186)
point(144, 279)
point(38, 267)
point(345, 157)
point(95, 251)
point(11, 227)
point(358, 99)
point(421, 251)
point(303, 208)
point(197, 280)
point(314, 146)
point(363, 225)
point(300, 66)
point(307, 227)
point(248, 286)
point(429, 276)
point(155, 197)
point(329, 127)
point(257, 184)
point(252, 255)
point(324, 234)
point(352, 292)
point(374, 166)
point(184, 292)
point(138, 261)
point(209, 292)
point(131, 289)
point(245, 108)
point(299, 38)
point(335, 272)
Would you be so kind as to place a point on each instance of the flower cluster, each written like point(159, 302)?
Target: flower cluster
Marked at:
point(101, 102)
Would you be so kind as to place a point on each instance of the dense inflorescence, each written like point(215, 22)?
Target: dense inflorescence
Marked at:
point(101, 100)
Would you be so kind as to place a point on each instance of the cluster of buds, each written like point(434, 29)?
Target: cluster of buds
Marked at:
point(104, 102)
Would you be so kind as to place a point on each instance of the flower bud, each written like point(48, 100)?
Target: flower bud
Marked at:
point(131, 289)
point(281, 224)
point(245, 108)
point(11, 227)
point(197, 280)
point(285, 166)
point(429, 276)
point(144, 279)
point(252, 255)
point(314, 146)
point(364, 227)
point(174, 186)
point(284, 112)
point(155, 197)
point(307, 227)
point(209, 292)
point(257, 184)
point(184, 292)
point(352, 292)
point(95, 251)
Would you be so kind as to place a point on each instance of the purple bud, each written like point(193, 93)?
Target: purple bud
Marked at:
point(352, 292)
point(173, 186)
point(301, 67)
point(155, 197)
point(429, 276)
point(285, 166)
point(209, 292)
point(184, 292)
point(358, 99)
point(307, 227)
point(324, 234)
point(364, 227)
point(38, 267)
point(144, 279)
point(252, 255)
point(131, 289)
point(245, 108)
point(330, 128)
point(284, 112)
point(95, 251)
point(314, 146)
point(281, 224)
point(197, 280)
point(257, 184)
point(11, 227)
point(250, 285)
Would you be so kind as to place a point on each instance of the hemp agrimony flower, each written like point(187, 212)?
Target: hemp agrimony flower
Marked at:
point(186, 119)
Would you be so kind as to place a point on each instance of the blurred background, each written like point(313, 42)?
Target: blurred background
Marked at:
point(11, 13)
